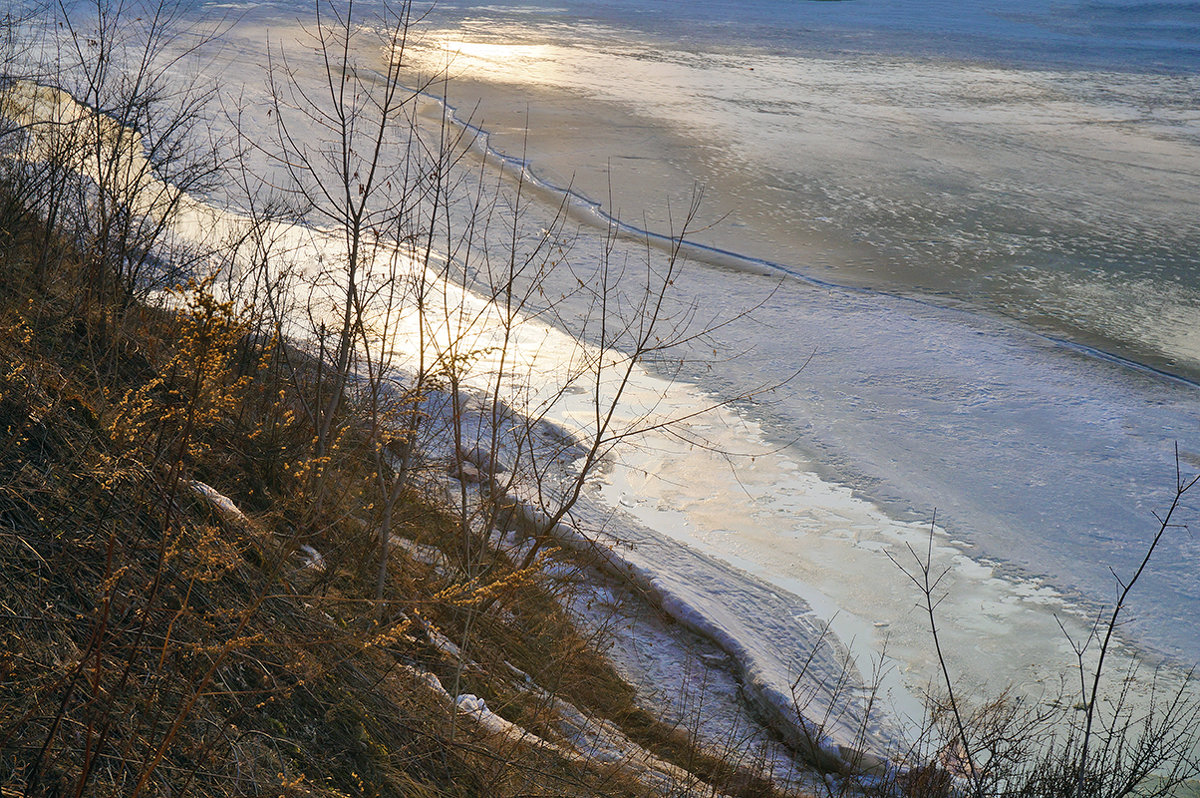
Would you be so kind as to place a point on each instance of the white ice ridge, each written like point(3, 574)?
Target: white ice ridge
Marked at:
point(799, 678)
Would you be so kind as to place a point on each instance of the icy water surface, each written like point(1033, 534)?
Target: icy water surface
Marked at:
point(1062, 197)
point(988, 230)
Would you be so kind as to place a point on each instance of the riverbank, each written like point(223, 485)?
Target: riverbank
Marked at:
point(182, 612)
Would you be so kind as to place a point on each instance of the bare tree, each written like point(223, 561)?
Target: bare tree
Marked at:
point(435, 279)
point(339, 176)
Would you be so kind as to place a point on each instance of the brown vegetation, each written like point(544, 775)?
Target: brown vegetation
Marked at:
point(159, 640)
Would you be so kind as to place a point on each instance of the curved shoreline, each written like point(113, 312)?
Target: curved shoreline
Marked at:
point(959, 313)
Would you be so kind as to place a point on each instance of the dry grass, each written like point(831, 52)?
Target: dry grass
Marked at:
point(154, 645)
